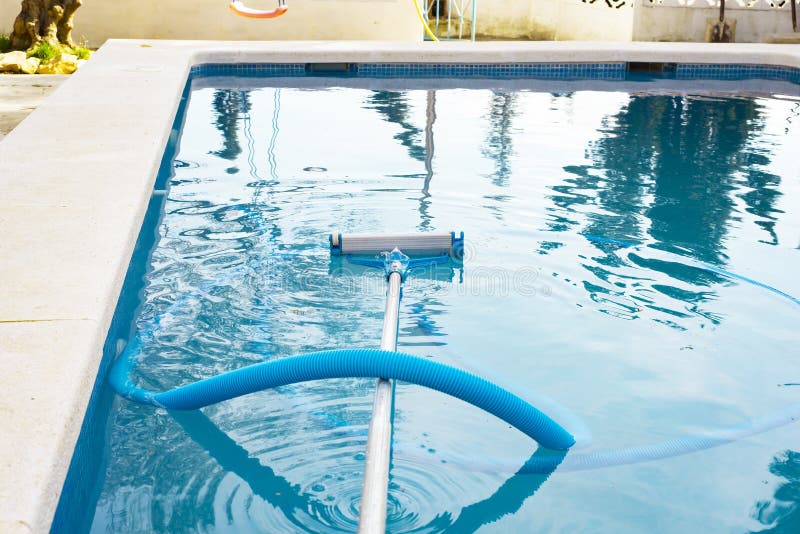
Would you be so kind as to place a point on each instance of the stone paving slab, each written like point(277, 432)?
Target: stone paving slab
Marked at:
point(20, 94)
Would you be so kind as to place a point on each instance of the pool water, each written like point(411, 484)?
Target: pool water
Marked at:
point(588, 217)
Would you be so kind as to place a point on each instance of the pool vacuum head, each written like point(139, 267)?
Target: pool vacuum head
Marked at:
point(410, 244)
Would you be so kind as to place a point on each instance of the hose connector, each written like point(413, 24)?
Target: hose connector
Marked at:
point(395, 262)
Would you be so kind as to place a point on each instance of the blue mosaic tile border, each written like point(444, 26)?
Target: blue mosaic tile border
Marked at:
point(560, 71)
point(736, 72)
point(602, 71)
point(249, 69)
point(552, 71)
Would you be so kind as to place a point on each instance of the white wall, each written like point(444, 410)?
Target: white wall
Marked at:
point(395, 20)
point(98, 20)
point(674, 23)
point(553, 20)
point(626, 20)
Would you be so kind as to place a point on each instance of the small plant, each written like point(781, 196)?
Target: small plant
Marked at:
point(44, 51)
point(5, 43)
point(82, 52)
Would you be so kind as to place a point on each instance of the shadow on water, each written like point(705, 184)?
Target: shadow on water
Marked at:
point(287, 497)
point(262, 480)
point(781, 514)
point(509, 497)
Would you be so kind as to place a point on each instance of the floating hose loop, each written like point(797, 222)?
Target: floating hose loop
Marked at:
point(238, 7)
point(701, 265)
point(362, 363)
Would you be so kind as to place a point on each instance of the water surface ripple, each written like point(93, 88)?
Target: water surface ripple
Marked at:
point(624, 345)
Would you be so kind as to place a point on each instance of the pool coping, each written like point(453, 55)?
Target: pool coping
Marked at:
point(71, 208)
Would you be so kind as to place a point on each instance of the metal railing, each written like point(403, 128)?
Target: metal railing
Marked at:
point(448, 18)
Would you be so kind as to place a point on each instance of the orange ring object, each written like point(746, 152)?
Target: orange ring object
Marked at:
point(243, 11)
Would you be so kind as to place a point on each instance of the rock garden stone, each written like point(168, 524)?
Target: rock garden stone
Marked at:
point(61, 64)
point(18, 62)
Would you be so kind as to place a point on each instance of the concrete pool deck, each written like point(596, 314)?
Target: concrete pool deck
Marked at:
point(75, 180)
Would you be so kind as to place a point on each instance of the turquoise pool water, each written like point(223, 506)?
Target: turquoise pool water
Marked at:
point(626, 346)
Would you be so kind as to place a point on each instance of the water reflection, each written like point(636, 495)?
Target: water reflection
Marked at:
point(510, 496)
point(667, 170)
point(228, 105)
point(694, 147)
point(499, 147)
point(675, 162)
point(761, 195)
point(394, 107)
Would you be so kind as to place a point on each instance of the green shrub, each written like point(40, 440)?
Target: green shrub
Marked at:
point(44, 51)
point(5, 43)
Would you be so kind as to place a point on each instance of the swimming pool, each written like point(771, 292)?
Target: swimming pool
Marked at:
point(626, 345)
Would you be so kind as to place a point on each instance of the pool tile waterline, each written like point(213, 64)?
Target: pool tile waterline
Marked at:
point(595, 71)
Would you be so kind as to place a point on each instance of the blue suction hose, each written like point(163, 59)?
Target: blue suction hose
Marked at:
point(362, 363)
point(366, 363)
